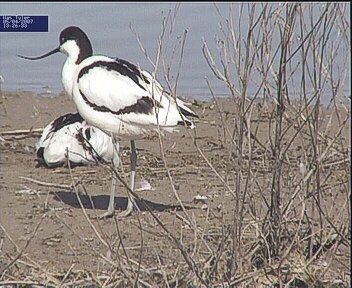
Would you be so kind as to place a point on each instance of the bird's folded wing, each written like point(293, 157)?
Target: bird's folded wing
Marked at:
point(107, 87)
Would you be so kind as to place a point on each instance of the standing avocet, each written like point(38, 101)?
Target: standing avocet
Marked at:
point(119, 98)
point(69, 138)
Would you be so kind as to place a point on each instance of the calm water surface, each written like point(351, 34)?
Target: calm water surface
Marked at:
point(108, 26)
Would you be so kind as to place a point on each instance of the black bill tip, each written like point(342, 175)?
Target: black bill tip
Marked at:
point(56, 50)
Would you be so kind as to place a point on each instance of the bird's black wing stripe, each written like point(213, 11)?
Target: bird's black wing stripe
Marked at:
point(187, 113)
point(186, 123)
point(65, 120)
point(87, 132)
point(143, 106)
point(87, 146)
point(133, 68)
point(183, 111)
point(121, 66)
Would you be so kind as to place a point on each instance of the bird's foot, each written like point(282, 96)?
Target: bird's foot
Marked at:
point(107, 214)
point(131, 206)
point(110, 214)
point(125, 213)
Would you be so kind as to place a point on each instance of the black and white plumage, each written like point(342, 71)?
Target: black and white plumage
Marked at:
point(117, 97)
point(69, 138)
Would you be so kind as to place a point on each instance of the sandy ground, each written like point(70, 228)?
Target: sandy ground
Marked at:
point(53, 235)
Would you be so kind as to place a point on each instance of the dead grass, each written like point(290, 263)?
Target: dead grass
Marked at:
point(272, 170)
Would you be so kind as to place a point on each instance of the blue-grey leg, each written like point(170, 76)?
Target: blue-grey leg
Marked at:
point(116, 162)
point(131, 200)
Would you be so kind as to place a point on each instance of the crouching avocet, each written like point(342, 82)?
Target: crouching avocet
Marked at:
point(69, 138)
point(117, 97)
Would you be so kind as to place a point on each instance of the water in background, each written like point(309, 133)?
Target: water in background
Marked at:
point(108, 27)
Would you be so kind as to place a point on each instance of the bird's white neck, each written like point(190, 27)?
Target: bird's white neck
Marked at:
point(74, 57)
point(67, 75)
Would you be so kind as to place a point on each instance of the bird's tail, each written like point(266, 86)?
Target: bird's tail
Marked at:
point(185, 113)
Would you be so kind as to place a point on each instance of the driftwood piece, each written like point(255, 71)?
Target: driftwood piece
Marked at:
point(21, 132)
point(63, 186)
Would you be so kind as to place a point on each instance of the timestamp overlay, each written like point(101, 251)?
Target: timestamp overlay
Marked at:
point(24, 23)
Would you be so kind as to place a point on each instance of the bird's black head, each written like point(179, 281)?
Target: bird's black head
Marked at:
point(73, 42)
point(80, 38)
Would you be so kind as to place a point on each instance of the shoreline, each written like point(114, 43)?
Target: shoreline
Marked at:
point(345, 103)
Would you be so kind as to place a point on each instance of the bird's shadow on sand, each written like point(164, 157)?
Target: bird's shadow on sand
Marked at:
point(101, 202)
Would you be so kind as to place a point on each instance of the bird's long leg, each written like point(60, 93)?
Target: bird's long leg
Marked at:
point(131, 200)
point(116, 162)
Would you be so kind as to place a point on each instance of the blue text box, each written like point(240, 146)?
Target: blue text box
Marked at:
point(24, 23)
